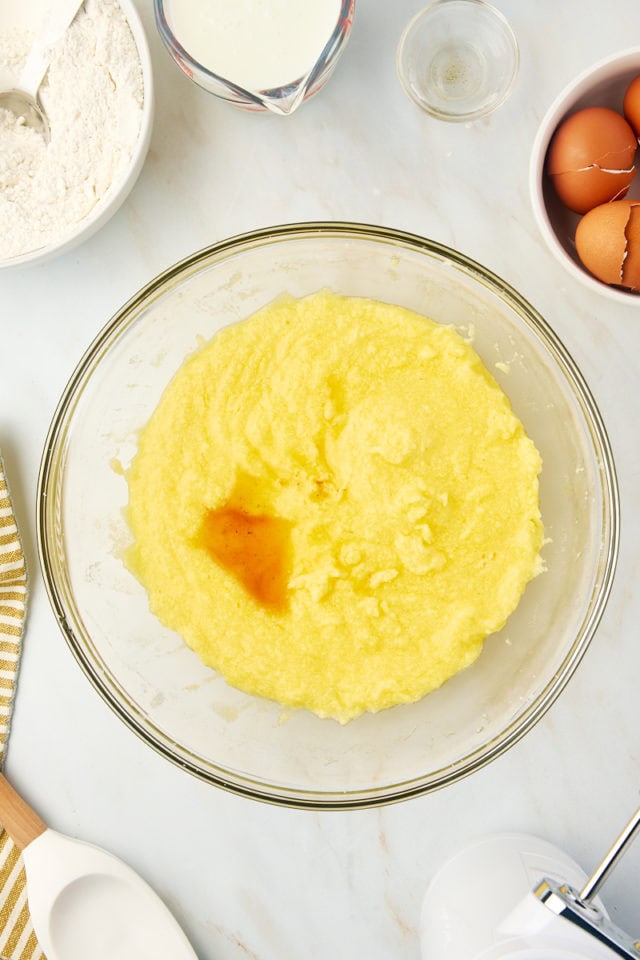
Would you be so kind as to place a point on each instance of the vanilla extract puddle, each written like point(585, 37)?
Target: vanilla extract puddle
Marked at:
point(256, 550)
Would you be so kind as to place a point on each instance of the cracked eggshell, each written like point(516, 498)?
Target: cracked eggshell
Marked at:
point(591, 158)
point(601, 84)
point(608, 243)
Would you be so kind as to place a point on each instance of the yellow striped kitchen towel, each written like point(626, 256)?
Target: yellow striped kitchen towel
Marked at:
point(17, 939)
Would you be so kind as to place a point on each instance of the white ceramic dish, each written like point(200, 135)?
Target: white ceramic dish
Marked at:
point(601, 85)
point(121, 187)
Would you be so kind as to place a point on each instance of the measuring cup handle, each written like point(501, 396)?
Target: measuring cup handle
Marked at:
point(57, 19)
point(36, 66)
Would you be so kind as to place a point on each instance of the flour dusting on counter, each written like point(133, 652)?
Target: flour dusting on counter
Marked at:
point(93, 97)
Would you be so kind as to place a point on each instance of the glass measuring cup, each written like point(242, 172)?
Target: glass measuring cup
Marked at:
point(282, 99)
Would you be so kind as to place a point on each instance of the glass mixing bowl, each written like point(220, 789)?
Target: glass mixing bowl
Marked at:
point(147, 674)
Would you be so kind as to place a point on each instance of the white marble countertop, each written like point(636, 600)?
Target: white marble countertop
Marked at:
point(231, 868)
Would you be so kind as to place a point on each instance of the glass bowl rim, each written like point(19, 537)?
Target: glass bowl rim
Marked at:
point(244, 784)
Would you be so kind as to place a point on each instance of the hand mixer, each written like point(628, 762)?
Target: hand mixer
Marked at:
point(516, 897)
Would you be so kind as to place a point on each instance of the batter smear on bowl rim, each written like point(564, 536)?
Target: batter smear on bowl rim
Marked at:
point(334, 505)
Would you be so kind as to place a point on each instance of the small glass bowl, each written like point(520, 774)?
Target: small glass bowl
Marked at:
point(281, 100)
point(458, 59)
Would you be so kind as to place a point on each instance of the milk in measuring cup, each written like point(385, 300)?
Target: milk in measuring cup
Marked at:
point(255, 44)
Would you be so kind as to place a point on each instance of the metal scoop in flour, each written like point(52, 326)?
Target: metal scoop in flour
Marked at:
point(83, 901)
point(23, 101)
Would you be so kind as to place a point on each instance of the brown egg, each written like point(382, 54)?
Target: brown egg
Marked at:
point(631, 266)
point(631, 105)
point(590, 158)
point(608, 243)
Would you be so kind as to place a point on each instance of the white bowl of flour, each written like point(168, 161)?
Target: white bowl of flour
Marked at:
point(98, 96)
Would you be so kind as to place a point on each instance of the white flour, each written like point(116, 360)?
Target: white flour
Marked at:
point(92, 95)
